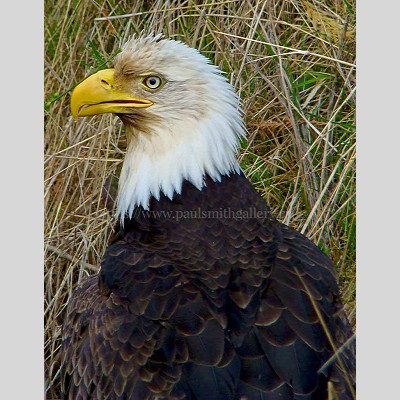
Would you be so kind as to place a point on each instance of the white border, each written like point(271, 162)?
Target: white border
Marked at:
point(378, 240)
point(21, 294)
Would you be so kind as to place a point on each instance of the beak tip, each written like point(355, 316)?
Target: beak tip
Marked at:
point(74, 114)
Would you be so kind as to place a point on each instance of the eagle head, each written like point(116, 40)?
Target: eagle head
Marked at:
point(182, 117)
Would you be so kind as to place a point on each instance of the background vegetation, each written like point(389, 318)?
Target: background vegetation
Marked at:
point(293, 64)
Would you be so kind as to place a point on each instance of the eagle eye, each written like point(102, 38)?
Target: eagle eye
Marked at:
point(152, 82)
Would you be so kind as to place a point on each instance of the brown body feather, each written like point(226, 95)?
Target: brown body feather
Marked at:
point(207, 296)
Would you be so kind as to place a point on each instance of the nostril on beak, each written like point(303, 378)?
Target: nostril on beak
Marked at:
point(104, 82)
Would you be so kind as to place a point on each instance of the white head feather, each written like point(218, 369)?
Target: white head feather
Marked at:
point(192, 129)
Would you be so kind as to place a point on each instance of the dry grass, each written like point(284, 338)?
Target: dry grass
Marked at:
point(292, 62)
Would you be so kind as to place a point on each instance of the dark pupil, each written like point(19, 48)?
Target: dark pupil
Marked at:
point(152, 81)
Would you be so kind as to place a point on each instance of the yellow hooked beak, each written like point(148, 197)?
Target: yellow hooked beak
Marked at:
point(96, 95)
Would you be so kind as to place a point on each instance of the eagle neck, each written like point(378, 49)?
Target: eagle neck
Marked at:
point(232, 201)
point(158, 161)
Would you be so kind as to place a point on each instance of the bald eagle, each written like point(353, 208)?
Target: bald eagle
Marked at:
point(202, 294)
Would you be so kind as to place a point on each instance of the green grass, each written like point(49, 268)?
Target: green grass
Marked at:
point(299, 109)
